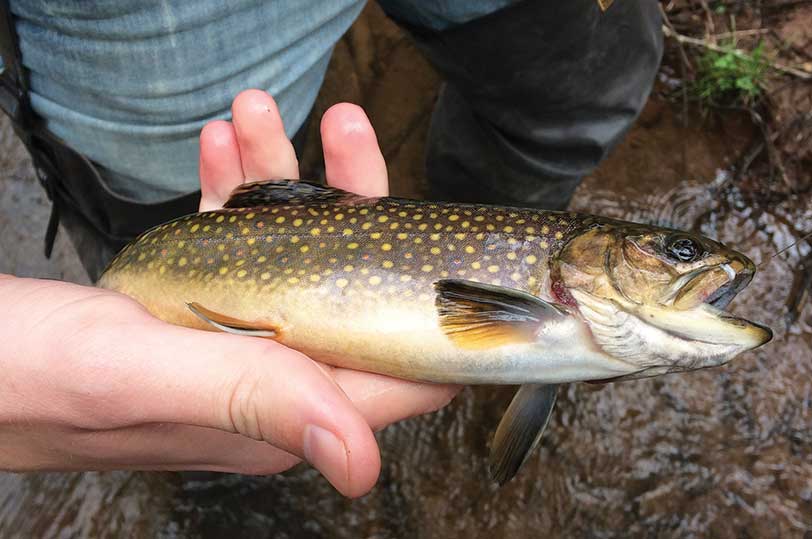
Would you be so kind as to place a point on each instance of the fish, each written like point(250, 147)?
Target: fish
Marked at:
point(447, 292)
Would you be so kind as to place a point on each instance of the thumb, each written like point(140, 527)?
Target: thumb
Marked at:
point(254, 387)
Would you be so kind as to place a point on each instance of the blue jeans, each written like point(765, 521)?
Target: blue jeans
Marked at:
point(130, 83)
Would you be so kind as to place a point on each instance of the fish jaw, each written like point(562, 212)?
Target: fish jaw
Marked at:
point(660, 340)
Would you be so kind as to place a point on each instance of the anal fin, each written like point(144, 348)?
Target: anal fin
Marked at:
point(520, 429)
point(230, 324)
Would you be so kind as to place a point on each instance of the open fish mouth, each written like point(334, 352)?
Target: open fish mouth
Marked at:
point(715, 286)
point(723, 295)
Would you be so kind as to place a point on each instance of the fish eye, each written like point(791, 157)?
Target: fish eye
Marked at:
point(684, 249)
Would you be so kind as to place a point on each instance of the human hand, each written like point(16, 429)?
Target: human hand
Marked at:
point(92, 381)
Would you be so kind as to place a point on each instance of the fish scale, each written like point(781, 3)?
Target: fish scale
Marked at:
point(396, 246)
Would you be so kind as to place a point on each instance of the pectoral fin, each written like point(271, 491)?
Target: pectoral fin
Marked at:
point(479, 316)
point(230, 324)
point(520, 430)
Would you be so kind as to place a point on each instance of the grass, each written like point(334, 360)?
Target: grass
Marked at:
point(731, 76)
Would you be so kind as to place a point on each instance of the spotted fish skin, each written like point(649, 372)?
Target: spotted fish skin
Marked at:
point(352, 281)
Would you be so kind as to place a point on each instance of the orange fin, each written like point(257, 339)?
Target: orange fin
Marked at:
point(479, 316)
point(229, 324)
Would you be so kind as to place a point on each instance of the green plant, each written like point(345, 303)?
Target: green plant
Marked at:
point(731, 75)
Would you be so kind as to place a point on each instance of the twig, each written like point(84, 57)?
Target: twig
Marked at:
point(710, 46)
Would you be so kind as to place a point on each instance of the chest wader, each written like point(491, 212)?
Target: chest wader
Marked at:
point(99, 221)
point(535, 95)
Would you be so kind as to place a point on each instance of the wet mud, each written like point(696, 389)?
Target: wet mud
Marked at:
point(723, 453)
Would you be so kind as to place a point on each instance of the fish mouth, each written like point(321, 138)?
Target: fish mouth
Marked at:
point(715, 285)
point(723, 295)
point(705, 294)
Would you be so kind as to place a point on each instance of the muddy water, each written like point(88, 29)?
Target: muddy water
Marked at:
point(723, 453)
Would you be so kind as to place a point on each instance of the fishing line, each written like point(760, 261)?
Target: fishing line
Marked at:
point(790, 246)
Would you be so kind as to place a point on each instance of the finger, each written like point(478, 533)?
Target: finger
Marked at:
point(352, 157)
point(265, 151)
point(384, 400)
point(253, 387)
point(220, 165)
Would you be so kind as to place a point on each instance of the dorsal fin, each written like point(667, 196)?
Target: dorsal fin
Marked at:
point(288, 192)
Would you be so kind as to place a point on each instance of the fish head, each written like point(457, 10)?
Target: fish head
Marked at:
point(655, 297)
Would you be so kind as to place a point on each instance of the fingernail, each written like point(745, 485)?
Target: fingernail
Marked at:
point(328, 454)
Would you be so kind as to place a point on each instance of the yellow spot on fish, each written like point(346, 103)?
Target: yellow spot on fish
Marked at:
point(418, 240)
point(366, 226)
point(294, 239)
point(265, 276)
point(375, 235)
point(223, 270)
point(348, 268)
point(142, 256)
point(206, 228)
point(304, 248)
point(364, 211)
point(250, 215)
point(402, 236)
point(339, 216)
point(469, 249)
point(453, 217)
point(493, 269)
point(508, 229)
point(558, 235)
point(422, 226)
point(297, 222)
point(279, 220)
point(386, 247)
point(531, 259)
point(341, 283)
point(511, 256)
point(182, 261)
point(314, 278)
point(346, 232)
point(233, 219)
point(242, 273)
point(531, 281)
point(544, 244)
point(194, 228)
point(251, 241)
point(405, 278)
point(476, 265)
point(293, 280)
point(459, 236)
point(417, 216)
point(383, 219)
point(402, 214)
point(364, 271)
point(479, 218)
point(530, 230)
point(427, 268)
point(434, 237)
point(220, 219)
point(352, 245)
point(315, 232)
point(387, 264)
point(407, 255)
point(162, 270)
point(516, 276)
point(374, 280)
point(435, 250)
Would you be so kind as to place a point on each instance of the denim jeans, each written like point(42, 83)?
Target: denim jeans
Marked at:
point(130, 83)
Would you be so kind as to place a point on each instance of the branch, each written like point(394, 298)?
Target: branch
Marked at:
point(668, 32)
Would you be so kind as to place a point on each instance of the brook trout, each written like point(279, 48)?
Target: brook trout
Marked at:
point(441, 292)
